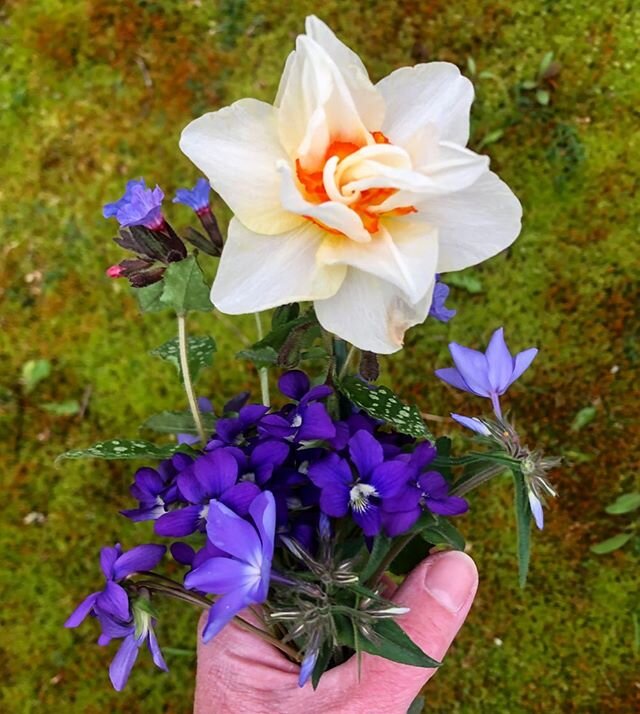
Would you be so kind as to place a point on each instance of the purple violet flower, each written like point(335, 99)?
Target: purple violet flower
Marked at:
point(308, 420)
point(361, 493)
point(118, 617)
point(487, 374)
point(438, 309)
point(242, 577)
point(155, 489)
point(139, 206)
point(233, 430)
point(426, 490)
point(196, 198)
point(214, 475)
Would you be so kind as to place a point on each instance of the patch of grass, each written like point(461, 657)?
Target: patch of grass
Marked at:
point(96, 92)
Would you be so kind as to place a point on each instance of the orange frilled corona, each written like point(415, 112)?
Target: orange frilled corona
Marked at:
point(312, 183)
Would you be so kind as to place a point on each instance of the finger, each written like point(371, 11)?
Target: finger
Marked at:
point(238, 664)
point(439, 592)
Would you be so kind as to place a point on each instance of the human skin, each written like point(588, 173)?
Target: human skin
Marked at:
point(239, 673)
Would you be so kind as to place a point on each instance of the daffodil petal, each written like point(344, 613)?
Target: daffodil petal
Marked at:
point(237, 148)
point(474, 224)
point(434, 93)
point(366, 97)
point(258, 272)
point(370, 313)
point(403, 253)
point(315, 105)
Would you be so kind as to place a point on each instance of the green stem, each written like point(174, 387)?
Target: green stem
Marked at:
point(263, 372)
point(478, 480)
point(349, 357)
point(170, 588)
point(394, 551)
point(186, 376)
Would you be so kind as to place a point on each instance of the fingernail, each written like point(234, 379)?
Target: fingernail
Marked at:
point(451, 579)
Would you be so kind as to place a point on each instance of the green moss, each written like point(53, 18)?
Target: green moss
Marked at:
point(96, 92)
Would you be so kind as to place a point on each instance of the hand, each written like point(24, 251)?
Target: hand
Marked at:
point(238, 672)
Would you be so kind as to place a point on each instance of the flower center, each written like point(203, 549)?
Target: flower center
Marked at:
point(354, 175)
point(359, 496)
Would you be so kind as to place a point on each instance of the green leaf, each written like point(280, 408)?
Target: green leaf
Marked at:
point(410, 556)
point(465, 280)
point(260, 356)
point(322, 663)
point(523, 525)
point(491, 138)
point(543, 96)
point(149, 297)
point(611, 544)
point(529, 84)
point(583, 417)
point(545, 63)
point(68, 408)
point(392, 643)
point(179, 422)
point(417, 705)
point(284, 314)
point(624, 504)
point(123, 449)
point(200, 351)
point(278, 335)
point(381, 546)
point(443, 532)
point(33, 372)
point(185, 288)
point(382, 403)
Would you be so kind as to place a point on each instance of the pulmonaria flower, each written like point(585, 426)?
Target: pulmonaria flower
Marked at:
point(242, 577)
point(156, 489)
point(425, 491)
point(307, 420)
point(118, 617)
point(487, 374)
point(361, 490)
point(438, 309)
point(350, 194)
point(214, 475)
point(196, 198)
point(139, 206)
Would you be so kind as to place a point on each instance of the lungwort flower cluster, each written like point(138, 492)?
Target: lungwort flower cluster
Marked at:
point(352, 197)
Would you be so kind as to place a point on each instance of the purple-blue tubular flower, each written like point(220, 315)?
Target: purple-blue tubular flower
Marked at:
point(487, 374)
point(438, 309)
point(473, 423)
point(242, 578)
point(361, 493)
point(139, 206)
point(118, 617)
point(196, 198)
point(307, 666)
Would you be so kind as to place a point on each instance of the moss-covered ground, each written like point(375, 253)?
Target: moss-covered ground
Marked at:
point(93, 92)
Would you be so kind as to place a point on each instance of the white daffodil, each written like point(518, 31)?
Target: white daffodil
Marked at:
point(349, 194)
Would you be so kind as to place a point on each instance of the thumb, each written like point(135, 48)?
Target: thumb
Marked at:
point(439, 593)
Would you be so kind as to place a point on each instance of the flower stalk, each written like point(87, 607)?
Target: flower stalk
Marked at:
point(186, 376)
point(263, 372)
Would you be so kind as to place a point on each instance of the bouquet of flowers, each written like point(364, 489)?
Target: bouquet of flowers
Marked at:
point(349, 199)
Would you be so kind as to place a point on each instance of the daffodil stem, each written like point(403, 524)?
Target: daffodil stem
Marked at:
point(186, 377)
point(263, 372)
